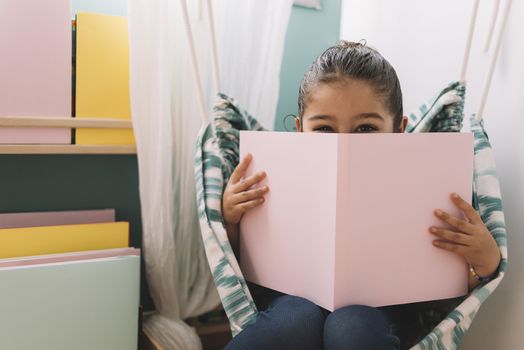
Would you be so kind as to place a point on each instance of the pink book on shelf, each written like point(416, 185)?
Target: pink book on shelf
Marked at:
point(347, 216)
point(68, 257)
point(54, 218)
point(35, 67)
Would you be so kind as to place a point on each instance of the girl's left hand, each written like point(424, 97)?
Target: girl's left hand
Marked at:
point(469, 238)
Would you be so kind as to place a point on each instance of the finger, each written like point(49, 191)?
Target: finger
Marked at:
point(467, 209)
point(246, 183)
point(249, 195)
point(451, 236)
point(449, 246)
point(251, 204)
point(241, 168)
point(461, 225)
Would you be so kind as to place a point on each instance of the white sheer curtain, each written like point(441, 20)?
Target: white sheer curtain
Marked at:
point(251, 37)
point(166, 119)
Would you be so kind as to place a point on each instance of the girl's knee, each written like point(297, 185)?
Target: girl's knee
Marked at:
point(300, 311)
point(300, 318)
point(357, 316)
point(290, 323)
point(358, 326)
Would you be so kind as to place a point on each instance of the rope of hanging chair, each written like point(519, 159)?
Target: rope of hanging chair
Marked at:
point(493, 62)
point(469, 40)
point(494, 57)
point(194, 61)
point(494, 15)
point(214, 46)
point(192, 52)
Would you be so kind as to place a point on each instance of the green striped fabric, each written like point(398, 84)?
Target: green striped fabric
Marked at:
point(217, 156)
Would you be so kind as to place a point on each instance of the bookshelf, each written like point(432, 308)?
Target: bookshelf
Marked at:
point(65, 122)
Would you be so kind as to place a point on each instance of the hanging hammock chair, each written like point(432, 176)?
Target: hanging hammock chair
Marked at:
point(217, 156)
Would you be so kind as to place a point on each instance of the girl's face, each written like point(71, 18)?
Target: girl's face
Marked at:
point(347, 107)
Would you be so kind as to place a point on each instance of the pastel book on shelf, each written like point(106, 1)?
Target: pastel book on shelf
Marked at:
point(41, 240)
point(347, 216)
point(102, 77)
point(53, 218)
point(35, 68)
point(82, 301)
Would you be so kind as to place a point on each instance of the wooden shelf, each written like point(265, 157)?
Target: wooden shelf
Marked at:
point(214, 334)
point(66, 149)
point(65, 122)
point(213, 328)
point(149, 342)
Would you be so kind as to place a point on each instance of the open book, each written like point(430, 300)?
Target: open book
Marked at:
point(347, 217)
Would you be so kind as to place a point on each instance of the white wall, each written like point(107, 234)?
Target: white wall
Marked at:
point(424, 41)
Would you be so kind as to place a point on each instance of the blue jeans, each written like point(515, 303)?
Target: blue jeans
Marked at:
point(291, 323)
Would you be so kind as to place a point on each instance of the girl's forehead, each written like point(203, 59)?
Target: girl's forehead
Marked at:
point(350, 97)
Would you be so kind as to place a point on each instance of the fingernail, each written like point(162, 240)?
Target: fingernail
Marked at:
point(438, 212)
point(454, 195)
point(433, 229)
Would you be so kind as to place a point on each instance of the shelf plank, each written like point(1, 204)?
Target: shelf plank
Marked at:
point(66, 149)
point(64, 122)
point(150, 342)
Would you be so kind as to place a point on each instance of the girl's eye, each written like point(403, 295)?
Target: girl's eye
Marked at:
point(323, 128)
point(366, 128)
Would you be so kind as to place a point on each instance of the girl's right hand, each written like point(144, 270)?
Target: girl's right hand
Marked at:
point(239, 195)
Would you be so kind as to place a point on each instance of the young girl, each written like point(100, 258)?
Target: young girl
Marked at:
point(351, 88)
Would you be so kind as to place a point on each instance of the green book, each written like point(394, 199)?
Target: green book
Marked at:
point(80, 305)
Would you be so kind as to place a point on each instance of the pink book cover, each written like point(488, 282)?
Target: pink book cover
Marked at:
point(68, 257)
point(347, 216)
point(54, 218)
point(35, 67)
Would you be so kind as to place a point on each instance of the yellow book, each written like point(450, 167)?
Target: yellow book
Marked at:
point(27, 241)
point(102, 76)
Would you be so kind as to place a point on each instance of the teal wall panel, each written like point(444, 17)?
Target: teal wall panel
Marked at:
point(310, 32)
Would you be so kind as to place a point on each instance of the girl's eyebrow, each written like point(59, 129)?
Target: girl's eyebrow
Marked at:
point(320, 117)
point(369, 115)
point(358, 116)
